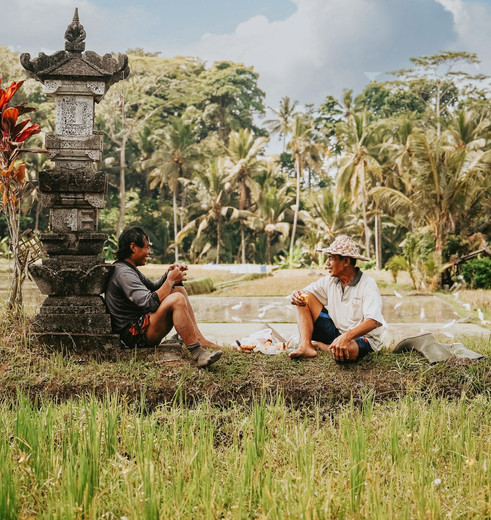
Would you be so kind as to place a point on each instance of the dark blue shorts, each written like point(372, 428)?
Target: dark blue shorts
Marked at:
point(325, 331)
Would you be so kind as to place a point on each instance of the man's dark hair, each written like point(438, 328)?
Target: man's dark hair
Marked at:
point(131, 235)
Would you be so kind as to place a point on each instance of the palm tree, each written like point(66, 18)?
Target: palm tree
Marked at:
point(173, 163)
point(394, 155)
point(347, 103)
point(285, 118)
point(273, 199)
point(306, 150)
point(243, 162)
point(402, 147)
point(450, 175)
point(123, 115)
point(213, 193)
point(359, 167)
point(329, 216)
point(468, 130)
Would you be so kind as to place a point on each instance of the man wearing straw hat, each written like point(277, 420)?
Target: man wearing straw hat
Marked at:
point(341, 312)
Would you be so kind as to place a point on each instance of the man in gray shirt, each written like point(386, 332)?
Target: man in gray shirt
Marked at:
point(143, 311)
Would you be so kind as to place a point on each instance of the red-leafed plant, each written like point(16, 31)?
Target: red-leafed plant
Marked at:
point(13, 182)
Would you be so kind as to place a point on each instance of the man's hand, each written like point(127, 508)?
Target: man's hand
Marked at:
point(340, 348)
point(177, 273)
point(299, 298)
point(180, 267)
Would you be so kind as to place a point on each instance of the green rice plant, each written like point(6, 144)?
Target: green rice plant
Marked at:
point(8, 485)
point(305, 466)
point(410, 458)
point(254, 449)
point(111, 422)
point(147, 473)
point(354, 434)
point(358, 469)
point(395, 447)
point(81, 464)
point(34, 435)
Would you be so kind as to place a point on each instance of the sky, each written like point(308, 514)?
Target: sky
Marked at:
point(304, 49)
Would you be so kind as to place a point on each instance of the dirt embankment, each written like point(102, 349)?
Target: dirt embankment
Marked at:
point(241, 378)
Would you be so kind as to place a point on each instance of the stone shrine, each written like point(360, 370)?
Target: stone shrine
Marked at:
point(73, 316)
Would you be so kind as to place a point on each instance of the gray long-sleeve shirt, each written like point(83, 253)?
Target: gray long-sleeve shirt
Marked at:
point(130, 294)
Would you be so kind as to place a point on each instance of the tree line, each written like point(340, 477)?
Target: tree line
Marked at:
point(403, 166)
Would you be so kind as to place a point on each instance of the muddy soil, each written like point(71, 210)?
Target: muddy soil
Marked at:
point(240, 378)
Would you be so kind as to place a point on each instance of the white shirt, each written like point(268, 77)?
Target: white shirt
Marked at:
point(359, 301)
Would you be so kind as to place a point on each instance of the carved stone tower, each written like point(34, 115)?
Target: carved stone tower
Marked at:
point(73, 315)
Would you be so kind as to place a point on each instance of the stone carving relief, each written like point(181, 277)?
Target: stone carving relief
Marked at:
point(74, 87)
point(94, 155)
point(96, 200)
point(51, 86)
point(66, 220)
point(97, 87)
point(75, 200)
point(74, 115)
point(79, 180)
point(75, 35)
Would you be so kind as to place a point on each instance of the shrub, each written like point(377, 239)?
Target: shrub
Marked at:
point(455, 246)
point(418, 251)
point(477, 273)
point(199, 286)
point(14, 133)
point(297, 260)
point(395, 264)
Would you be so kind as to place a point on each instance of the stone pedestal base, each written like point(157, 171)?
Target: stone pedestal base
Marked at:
point(98, 346)
point(73, 323)
point(105, 347)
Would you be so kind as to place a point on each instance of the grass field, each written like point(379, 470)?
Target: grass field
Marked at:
point(96, 459)
point(253, 437)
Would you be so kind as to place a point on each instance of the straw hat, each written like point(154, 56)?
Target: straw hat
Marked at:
point(344, 246)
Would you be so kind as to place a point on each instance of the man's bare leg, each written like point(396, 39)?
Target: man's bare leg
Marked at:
point(353, 350)
point(173, 311)
point(318, 345)
point(305, 323)
point(204, 342)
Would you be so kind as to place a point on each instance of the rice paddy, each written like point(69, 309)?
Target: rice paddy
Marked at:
point(255, 437)
point(89, 458)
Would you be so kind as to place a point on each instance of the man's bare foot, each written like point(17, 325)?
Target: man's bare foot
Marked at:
point(321, 346)
point(303, 351)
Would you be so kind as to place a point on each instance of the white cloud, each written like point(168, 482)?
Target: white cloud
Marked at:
point(456, 7)
point(472, 21)
point(323, 47)
point(36, 26)
point(40, 25)
point(328, 45)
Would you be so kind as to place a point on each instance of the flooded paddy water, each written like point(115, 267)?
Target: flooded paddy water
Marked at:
point(226, 318)
point(276, 309)
point(31, 295)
